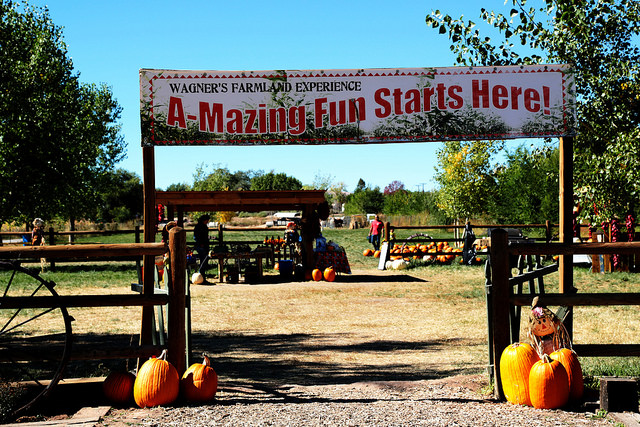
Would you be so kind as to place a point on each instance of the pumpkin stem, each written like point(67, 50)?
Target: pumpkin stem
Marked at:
point(163, 355)
point(206, 361)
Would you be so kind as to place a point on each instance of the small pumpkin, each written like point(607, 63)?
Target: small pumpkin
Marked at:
point(569, 359)
point(515, 364)
point(157, 383)
point(329, 274)
point(548, 384)
point(316, 274)
point(376, 254)
point(199, 383)
point(367, 252)
point(118, 387)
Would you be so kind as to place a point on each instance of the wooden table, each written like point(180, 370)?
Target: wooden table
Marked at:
point(223, 258)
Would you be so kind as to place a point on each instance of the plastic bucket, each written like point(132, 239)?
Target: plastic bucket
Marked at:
point(285, 267)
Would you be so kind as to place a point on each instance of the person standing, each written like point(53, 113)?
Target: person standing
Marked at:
point(375, 232)
point(37, 234)
point(201, 236)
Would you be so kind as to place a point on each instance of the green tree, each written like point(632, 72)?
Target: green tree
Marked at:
point(275, 181)
point(600, 40)
point(465, 176)
point(120, 196)
point(365, 200)
point(527, 187)
point(178, 186)
point(221, 179)
point(57, 135)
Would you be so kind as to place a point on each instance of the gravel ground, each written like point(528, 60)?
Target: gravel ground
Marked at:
point(455, 401)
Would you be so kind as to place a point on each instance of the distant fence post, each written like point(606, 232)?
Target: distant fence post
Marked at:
point(177, 297)
point(52, 242)
point(547, 227)
point(500, 271)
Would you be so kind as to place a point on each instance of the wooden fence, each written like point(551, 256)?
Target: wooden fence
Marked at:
point(175, 299)
point(501, 298)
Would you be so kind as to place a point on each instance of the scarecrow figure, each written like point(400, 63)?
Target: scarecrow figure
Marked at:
point(546, 331)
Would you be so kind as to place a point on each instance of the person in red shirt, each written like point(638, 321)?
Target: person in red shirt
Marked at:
point(375, 232)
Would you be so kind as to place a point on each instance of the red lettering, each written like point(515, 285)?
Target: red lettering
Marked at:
point(385, 105)
point(500, 97)
point(321, 111)
point(532, 100)
point(397, 101)
point(234, 123)
point(337, 113)
point(456, 100)
point(515, 94)
point(427, 93)
point(251, 121)
point(175, 116)
point(262, 118)
point(413, 105)
point(297, 120)
point(441, 89)
point(357, 111)
point(480, 94)
point(277, 120)
point(210, 120)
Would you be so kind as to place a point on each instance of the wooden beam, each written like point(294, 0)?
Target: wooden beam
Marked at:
point(566, 221)
point(579, 299)
point(499, 301)
point(177, 342)
point(79, 251)
point(148, 261)
point(249, 201)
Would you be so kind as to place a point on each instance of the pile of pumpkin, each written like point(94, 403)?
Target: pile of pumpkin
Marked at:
point(328, 274)
point(433, 252)
point(545, 383)
point(158, 383)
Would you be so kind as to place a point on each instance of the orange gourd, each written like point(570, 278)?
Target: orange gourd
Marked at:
point(548, 384)
point(316, 274)
point(367, 252)
point(157, 383)
point(569, 359)
point(515, 364)
point(118, 387)
point(329, 274)
point(376, 254)
point(199, 383)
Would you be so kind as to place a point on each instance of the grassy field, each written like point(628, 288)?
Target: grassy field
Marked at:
point(424, 322)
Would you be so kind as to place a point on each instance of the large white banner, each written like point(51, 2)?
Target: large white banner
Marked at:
point(355, 106)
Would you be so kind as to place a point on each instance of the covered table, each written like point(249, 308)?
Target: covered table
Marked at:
point(337, 259)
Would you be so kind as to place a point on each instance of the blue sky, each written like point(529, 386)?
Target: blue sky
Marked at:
point(110, 41)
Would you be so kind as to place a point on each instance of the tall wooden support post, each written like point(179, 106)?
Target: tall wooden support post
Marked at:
point(308, 234)
point(148, 264)
point(566, 222)
point(499, 321)
point(177, 290)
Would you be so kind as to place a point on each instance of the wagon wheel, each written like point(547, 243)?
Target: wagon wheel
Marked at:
point(35, 337)
point(417, 237)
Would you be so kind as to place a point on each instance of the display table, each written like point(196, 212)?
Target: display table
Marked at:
point(225, 258)
point(332, 258)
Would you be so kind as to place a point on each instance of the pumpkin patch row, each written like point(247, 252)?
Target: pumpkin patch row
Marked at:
point(158, 383)
point(433, 252)
point(549, 382)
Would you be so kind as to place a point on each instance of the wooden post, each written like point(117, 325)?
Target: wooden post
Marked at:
point(566, 222)
point(308, 236)
point(176, 331)
point(148, 261)
point(52, 242)
point(499, 294)
point(547, 231)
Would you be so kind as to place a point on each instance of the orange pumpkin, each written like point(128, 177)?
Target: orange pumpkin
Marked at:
point(118, 387)
point(329, 274)
point(569, 359)
point(515, 364)
point(157, 383)
point(376, 254)
point(199, 383)
point(316, 274)
point(548, 384)
point(367, 252)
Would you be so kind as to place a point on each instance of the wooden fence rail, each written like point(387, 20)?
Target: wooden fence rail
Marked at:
point(501, 299)
point(175, 300)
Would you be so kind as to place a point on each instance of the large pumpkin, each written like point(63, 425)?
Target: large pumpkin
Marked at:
point(515, 364)
point(548, 384)
point(329, 274)
point(199, 383)
point(118, 387)
point(316, 274)
point(157, 383)
point(569, 359)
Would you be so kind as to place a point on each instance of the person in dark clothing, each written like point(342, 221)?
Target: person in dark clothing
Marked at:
point(201, 237)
